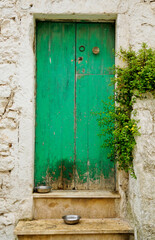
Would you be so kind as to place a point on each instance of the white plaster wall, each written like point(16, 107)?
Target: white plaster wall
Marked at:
point(135, 23)
point(142, 190)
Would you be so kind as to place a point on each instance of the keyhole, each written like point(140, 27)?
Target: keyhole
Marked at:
point(80, 59)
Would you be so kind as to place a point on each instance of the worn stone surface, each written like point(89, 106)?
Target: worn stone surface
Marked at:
point(135, 23)
point(142, 190)
point(78, 237)
point(78, 194)
point(88, 226)
point(54, 205)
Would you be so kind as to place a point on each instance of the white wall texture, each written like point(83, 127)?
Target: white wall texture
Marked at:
point(135, 23)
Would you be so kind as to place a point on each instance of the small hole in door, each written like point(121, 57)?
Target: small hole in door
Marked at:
point(80, 59)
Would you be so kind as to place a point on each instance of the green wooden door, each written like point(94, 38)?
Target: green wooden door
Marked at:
point(72, 81)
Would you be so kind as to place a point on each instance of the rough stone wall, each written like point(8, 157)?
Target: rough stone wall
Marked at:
point(16, 117)
point(142, 191)
point(135, 23)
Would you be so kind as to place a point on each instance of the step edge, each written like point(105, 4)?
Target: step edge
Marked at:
point(24, 233)
point(127, 229)
point(76, 195)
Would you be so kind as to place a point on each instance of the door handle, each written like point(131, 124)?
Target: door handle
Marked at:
point(96, 50)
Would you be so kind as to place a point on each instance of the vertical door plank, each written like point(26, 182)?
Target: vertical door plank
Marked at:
point(55, 104)
point(94, 170)
point(42, 103)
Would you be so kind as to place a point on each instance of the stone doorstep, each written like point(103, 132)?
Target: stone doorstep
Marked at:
point(87, 204)
point(77, 194)
point(86, 226)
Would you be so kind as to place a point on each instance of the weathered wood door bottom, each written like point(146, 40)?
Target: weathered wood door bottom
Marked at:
point(72, 81)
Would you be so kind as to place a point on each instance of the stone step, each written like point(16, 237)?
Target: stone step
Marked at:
point(87, 229)
point(87, 204)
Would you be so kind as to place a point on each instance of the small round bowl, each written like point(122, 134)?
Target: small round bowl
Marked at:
point(43, 189)
point(71, 219)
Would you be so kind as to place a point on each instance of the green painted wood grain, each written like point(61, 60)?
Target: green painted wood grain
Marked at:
point(92, 86)
point(55, 103)
point(62, 88)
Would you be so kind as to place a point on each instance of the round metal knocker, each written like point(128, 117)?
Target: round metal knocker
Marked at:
point(81, 48)
point(95, 50)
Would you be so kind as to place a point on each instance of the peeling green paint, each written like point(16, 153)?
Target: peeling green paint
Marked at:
point(67, 147)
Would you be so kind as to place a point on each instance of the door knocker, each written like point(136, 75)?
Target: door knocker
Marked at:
point(81, 48)
point(96, 50)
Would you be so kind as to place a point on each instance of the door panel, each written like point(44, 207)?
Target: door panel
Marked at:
point(55, 104)
point(94, 170)
point(92, 35)
point(70, 86)
point(92, 163)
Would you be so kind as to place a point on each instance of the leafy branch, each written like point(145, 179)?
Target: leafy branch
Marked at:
point(115, 121)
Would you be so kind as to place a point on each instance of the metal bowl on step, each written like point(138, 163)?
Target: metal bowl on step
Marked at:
point(71, 219)
point(43, 189)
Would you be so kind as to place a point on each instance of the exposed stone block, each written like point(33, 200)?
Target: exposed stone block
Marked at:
point(7, 3)
point(26, 5)
point(7, 219)
point(12, 114)
point(2, 206)
point(9, 28)
point(8, 13)
point(145, 121)
point(4, 183)
point(9, 51)
point(7, 72)
point(8, 123)
point(3, 104)
point(154, 123)
point(6, 164)
point(145, 104)
point(5, 91)
point(4, 148)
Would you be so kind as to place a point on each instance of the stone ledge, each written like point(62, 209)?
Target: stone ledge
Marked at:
point(86, 226)
point(77, 194)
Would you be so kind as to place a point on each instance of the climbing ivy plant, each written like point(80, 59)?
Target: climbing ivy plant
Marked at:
point(116, 122)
